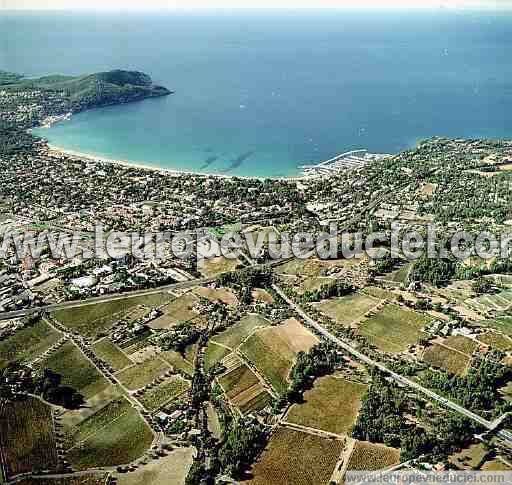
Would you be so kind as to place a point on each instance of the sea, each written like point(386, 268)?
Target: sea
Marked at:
point(260, 93)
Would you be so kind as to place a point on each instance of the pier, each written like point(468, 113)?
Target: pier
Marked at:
point(345, 161)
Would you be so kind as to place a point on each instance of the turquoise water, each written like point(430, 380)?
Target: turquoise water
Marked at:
point(258, 93)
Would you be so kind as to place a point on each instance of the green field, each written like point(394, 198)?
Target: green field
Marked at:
point(76, 370)
point(347, 309)
point(163, 393)
point(110, 353)
point(115, 435)
point(139, 375)
point(97, 319)
point(177, 361)
point(232, 337)
point(28, 343)
point(331, 405)
point(394, 328)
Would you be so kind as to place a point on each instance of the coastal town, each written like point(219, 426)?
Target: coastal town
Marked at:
point(247, 369)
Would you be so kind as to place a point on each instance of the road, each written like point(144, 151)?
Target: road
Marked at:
point(505, 435)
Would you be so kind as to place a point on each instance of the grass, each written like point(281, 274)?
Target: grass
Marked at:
point(116, 435)
point(393, 328)
point(347, 309)
point(110, 353)
point(139, 375)
point(76, 370)
point(371, 457)
point(95, 320)
point(27, 437)
point(331, 405)
point(163, 393)
point(28, 343)
point(295, 458)
point(400, 275)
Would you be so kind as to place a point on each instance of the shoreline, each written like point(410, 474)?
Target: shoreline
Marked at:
point(166, 171)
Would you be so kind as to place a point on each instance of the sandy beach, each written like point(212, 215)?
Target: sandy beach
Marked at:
point(167, 171)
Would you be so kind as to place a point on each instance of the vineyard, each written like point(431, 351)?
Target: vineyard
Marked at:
point(296, 458)
point(27, 437)
point(370, 456)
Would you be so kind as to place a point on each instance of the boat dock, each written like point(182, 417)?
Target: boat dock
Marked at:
point(345, 161)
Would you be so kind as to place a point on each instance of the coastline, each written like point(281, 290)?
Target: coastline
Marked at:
point(167, 171)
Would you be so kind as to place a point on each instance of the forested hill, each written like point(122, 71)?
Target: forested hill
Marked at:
point(89, 91)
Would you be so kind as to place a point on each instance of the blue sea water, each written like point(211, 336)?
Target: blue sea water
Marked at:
point(275, 89)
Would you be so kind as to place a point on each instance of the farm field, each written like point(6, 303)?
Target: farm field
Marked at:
point(347, 309)
point(224, 295)
point(485, 303)
point(259, 294)
point(272, 350)
point(496, 341)
point(177, 361)
point(215, 266)
point(178, 310)
point(313, 267)
point(76, 370)
point(171, 469)
point(295, 458)
point(27, 437)
point(109, 352)
point(393, 328)
point(27, 343)
point(400, 275)
point(244, 389)
point(93, 320)
point(470, 458)
point(115, 435)
point(453, 362)
point(92, 479)
point(501, 323)
point(232, 337)
point(379, 293)
point(163, 393)
point(371, 457)
point(140, 375)
point(495, 465)
point(452, 354)
point(331, 405)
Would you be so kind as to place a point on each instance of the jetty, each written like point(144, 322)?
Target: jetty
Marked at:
point(345, 161)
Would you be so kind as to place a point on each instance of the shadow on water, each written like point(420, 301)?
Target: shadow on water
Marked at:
point(208, 162)
point(238, 161)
